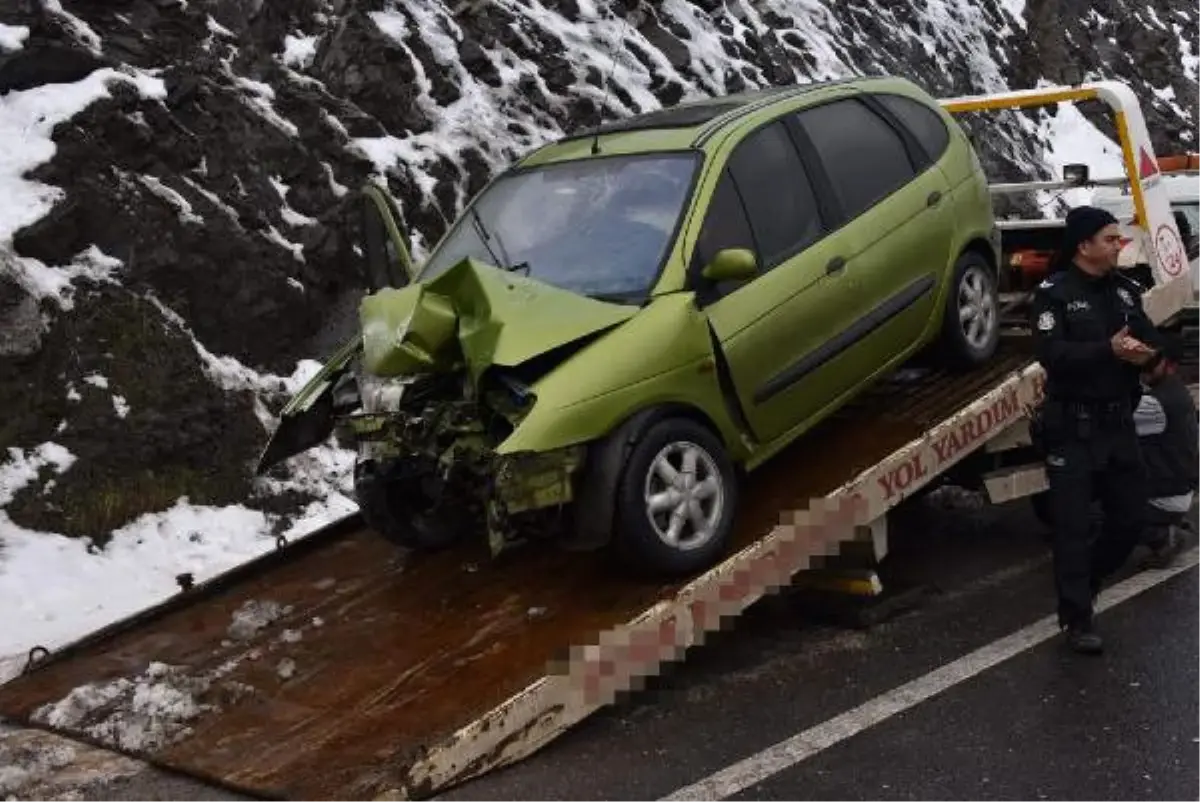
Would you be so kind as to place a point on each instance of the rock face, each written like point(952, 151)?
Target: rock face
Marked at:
point(192, 238)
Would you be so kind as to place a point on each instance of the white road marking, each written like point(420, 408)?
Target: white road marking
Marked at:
point(800, 747)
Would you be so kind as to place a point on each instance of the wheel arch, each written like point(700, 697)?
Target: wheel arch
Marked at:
point(606, 458)
point(981, 246)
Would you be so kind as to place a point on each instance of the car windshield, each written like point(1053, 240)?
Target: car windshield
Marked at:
point(598, 227)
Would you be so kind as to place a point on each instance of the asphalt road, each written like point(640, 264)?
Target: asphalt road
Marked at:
point(1042, 723)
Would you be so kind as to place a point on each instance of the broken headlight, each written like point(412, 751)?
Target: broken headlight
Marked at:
point(382, 394)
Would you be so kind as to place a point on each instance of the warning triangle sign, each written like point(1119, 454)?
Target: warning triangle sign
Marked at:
point(1147, 167)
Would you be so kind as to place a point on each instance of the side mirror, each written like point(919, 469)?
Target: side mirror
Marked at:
point(731, 264)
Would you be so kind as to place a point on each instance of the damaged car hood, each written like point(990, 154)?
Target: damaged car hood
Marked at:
point(470, 317)
point(473, 316)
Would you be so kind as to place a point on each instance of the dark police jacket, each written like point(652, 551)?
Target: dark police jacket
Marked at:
point(1167, 430)
point(1075, 316)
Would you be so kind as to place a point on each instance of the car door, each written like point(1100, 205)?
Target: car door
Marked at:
point(896, 225)
point(307, 419)
point(387, 260)
point(772, 329)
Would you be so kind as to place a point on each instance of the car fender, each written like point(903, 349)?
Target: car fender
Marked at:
point(597, 495)
point(618, 375)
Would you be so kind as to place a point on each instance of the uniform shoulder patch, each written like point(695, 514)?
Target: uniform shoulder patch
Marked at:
point(1046, 321)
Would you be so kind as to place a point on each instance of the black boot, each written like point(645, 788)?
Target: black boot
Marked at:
point(1083, 638)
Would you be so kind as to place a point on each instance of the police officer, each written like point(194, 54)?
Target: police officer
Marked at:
point(1093, 339)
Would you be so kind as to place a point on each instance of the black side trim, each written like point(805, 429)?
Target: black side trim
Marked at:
point(725, 379)
point(845, 338)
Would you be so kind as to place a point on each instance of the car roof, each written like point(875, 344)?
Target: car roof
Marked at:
point(677, 127)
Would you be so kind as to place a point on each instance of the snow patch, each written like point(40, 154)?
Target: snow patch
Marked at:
point(23, 763)
point(299, 51)
point(182, 208)
point(27, 120)
point(120, 406)
point(152, 710)
point(260, 97)
point(1188, 53)
point(214, 199)
point(1073, 139)
point(253, 616)
point(1016, 9)
point(218, 28)
point(21, 468)
point(96, 380)
point(228, 372)
point(136, 569)
point(12, 37)
point(290, 215)
point(58, 283)
point(337, 188)
point(78, 28)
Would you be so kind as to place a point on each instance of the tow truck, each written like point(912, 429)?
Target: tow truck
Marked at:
point(334, 668)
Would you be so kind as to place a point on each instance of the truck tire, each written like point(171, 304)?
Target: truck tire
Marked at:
point(703, 503)
point(971, 326)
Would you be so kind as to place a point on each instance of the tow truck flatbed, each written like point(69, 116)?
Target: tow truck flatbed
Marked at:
point(408, 656)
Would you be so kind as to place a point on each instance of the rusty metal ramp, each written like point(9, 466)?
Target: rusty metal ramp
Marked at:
point(336, 668)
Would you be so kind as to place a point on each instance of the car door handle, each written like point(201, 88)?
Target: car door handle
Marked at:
point(836, 265)
point(934, 198)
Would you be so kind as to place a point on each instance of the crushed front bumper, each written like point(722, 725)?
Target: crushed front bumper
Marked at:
point(509, 487)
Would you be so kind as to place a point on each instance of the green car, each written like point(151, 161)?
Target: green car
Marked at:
point(628, 320)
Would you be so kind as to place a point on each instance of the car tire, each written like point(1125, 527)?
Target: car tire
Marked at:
point(642, 538)
point(379, 503)
point(971, 327)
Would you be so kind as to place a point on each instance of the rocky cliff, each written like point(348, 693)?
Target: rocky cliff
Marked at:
point(174, 239)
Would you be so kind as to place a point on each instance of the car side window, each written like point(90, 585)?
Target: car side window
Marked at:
point(778, 194)
point(924, 123)
point(863, 155)
point(725, 226)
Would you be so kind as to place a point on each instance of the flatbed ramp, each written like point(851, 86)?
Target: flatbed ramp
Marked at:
point(337, 668)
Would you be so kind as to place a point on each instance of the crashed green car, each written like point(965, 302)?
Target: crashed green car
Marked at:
point(626, 321)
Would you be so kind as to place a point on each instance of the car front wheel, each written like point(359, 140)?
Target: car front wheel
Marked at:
point(971, 331)
point(677, 499)
point(395, 510)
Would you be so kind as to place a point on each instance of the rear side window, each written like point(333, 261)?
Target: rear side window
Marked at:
point(924, 123)
point(863, 155)
point(777, 192)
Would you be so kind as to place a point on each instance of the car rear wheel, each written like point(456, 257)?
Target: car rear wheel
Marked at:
point(971, 331)
point(677, 499)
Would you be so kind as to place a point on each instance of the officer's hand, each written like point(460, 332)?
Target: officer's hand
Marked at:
point(1120, 342)
point(1130, 349)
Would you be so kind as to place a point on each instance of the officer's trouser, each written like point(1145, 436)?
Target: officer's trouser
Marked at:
point(1093, 460)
